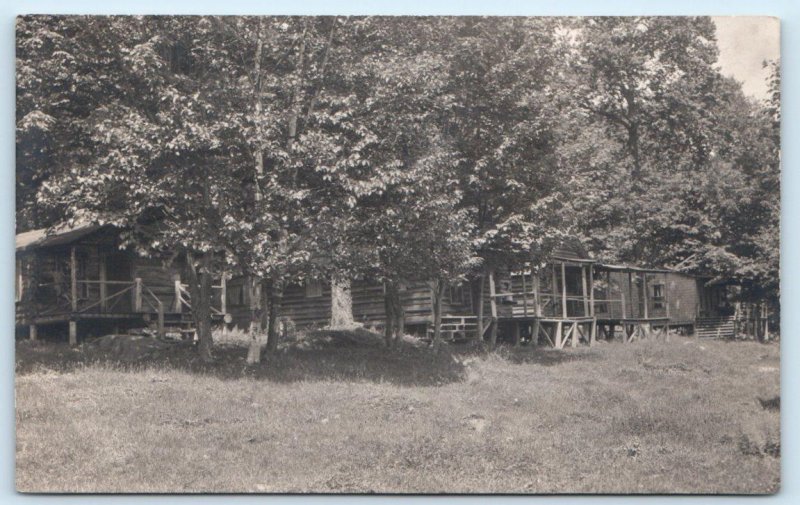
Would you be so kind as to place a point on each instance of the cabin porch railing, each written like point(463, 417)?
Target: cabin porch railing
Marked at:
point(545, 305)
point(551, 305)
point(93, 298)
point(184, 298)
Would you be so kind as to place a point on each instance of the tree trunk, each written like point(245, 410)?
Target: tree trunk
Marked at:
point(256, 317)
point(493, 334)
point(259, 153)
point(399, 315)
point(633, 133)
point(438, 294)
point(341, 304)
point(294, 106)
point(200, 291)
point(254, 284)
point(479, 309)
point(273, 332)
point(388, 304)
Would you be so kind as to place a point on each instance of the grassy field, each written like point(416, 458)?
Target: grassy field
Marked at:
point(345, 415)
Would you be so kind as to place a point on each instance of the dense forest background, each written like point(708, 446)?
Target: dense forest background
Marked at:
point(400, 147)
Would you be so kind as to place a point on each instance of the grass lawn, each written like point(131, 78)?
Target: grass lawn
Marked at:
point(683, 416)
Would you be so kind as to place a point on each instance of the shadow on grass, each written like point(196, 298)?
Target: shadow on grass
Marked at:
point(545, 356)
point(324, 356)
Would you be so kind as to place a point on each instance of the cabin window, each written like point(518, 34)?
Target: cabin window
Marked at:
point(658, 296)
point(313, 289)
point(235, 294)
point(457, 294)
point(82, 275)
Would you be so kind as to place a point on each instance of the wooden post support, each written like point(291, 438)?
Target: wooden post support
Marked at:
point(103, 286)
point(73, 278)
point(524, 294)
point(32, 333)
point(554, 288)
point(563, 290)
point(593, 333)
point(161, 333)
point(492, 293)
point(223, 297)
point(634, 308)
point(493, 305)
point(535, 331)
point(137, 295)
point(584, 292)
point(622, 299)
point(646, 296)
point(559, 343)
point(515, 328)
point(591, 290)
point(178, 304)
point(537, 307)
point(479, 302)
point(73, 333)
point(574, 341)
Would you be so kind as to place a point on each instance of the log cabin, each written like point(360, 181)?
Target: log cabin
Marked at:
point(78, 279)
point(309, 305)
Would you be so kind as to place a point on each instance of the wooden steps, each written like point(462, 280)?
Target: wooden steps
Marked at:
point(715, 327)
point(456, 327)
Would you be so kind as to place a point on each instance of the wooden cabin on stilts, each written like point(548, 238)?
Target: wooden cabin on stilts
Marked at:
point(76, 278)
point(553, 303)
point(634, 301)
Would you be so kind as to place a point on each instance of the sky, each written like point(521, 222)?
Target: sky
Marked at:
point(744, 43)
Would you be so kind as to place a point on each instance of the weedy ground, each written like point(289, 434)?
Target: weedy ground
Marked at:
point(337, 412)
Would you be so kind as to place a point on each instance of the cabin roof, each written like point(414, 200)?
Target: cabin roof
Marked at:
point(59, 235)
point(632, 268)
point(571, 249)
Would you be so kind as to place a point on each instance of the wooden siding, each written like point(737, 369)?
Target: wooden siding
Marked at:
point(368, 303)
point(306, 311)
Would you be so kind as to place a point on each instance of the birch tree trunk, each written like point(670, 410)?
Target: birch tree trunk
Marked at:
point(341, 304)
point(256, 315)
point(273, 331)
point(254, 284)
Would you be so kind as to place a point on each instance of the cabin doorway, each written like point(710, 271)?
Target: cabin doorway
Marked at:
point(118, 267)
point(118, 275)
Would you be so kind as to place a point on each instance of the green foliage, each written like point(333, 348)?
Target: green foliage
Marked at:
point(400, 148)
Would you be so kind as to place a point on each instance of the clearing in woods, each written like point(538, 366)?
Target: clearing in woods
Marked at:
point(342, 414)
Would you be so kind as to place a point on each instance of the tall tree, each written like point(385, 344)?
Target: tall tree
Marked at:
point(166, 149)
point(506, 104)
